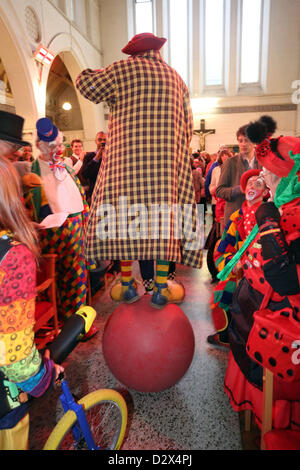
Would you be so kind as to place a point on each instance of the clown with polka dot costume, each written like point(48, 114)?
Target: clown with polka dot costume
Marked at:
point(271, 265)
point(237, 229)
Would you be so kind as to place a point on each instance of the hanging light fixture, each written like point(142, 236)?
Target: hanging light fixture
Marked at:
point(66, 106)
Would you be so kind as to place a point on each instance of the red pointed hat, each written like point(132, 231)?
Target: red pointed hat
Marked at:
point(143, 42)
point(245, 176)
point(273, 154)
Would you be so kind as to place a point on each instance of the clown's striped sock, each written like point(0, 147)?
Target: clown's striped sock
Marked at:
point(162, 269)
point(126, 271)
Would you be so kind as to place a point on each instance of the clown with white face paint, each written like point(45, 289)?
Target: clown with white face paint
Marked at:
point(256, 186)
point(240, 224)
point(271, 264)
point(255, 189)
point(54, 188)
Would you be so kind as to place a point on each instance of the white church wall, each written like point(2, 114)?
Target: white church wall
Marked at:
point(48, 24)
point(114, 29)
point(226, 126)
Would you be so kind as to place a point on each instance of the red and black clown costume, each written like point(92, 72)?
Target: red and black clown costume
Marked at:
point(273, 259)
point(240, 224)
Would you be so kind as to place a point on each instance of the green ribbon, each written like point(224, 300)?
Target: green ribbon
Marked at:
point(222, 275)
point(287, 190)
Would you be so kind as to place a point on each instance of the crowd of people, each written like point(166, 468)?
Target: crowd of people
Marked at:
point(254, 199)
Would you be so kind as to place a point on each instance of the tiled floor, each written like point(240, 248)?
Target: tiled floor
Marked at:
point(194, 414)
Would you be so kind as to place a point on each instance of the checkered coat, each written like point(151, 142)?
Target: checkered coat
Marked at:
point(146, 163)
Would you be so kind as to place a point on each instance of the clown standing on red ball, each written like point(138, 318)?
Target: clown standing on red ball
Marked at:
point(146, 159)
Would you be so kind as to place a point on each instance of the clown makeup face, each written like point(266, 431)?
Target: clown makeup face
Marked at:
point(51, 151)
point(271, 180)
point(256, 189)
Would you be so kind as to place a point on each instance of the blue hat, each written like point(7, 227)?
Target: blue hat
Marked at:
point(46, 130)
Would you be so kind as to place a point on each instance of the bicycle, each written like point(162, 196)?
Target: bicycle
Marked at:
point(97, 421)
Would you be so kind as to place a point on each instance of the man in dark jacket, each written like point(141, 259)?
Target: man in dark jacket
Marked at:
point(91, 164)
point(232, 170)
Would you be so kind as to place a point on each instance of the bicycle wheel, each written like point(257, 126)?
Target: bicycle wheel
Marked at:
point(106, 412)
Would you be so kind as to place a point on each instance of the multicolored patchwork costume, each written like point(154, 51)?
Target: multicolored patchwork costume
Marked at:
point(65, 241)
point(237, 229)
point(22, 369)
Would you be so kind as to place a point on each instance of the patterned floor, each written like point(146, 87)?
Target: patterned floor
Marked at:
point(193, 415)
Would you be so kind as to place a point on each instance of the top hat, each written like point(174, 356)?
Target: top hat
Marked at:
point(143, 42)
point(46, 130)
point(11, 128)
point(273, 154)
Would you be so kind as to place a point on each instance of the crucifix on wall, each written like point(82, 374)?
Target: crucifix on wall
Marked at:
point(202, 133)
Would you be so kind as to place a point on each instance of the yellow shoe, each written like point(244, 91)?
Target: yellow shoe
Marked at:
point(161, 296)
point(125, 293)
point(177, 291)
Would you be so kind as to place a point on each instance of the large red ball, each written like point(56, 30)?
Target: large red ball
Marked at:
point(146, 349)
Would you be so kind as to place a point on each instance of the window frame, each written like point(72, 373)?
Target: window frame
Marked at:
point(204, 89)
point(153, 15)
point(189, 45)
point(232, 34)
point(220, 85)
point(246, 88)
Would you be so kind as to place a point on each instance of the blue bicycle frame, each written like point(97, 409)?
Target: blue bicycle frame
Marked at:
point(81, 428)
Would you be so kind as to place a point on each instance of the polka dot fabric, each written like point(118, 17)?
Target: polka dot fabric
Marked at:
point(272, 342)
point(18, 275)
point(17, 296)
point(290, 220)
point(274, 338)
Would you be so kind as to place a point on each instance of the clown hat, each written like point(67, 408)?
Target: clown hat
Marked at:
point(143, 42)
point(272, 153)
point(11, 128)
point(46, 130)
point(246, 176)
